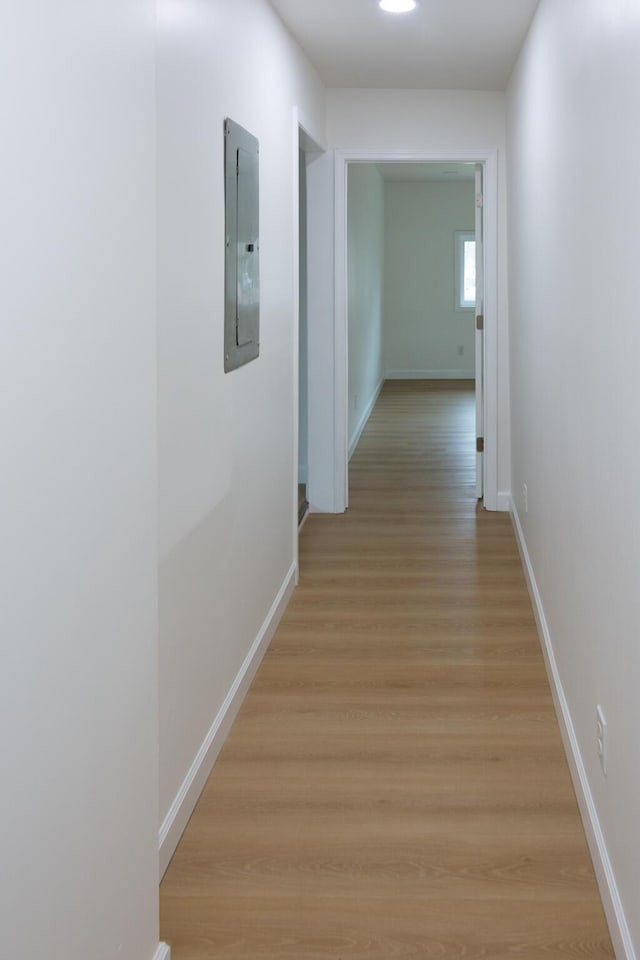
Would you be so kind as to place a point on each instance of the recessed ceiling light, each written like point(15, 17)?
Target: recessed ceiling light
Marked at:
point(397, 6)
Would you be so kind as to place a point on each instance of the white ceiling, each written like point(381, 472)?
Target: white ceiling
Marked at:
point(442, 45)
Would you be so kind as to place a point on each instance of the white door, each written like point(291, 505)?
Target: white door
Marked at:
point(479, 335)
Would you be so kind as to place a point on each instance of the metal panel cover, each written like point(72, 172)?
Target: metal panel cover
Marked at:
point(242, 271)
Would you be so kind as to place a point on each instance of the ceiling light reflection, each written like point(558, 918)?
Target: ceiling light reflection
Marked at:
point(397, 6)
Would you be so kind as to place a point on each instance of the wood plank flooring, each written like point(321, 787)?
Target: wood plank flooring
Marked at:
point(394, 786)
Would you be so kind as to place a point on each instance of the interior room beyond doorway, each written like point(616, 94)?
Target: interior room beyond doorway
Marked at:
point(406, 317)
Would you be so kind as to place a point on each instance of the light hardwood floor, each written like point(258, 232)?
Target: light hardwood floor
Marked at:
point(394, 786)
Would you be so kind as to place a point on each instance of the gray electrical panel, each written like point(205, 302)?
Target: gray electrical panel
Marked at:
point(242, 265)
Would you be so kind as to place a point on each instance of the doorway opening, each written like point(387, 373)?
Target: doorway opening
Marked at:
point(484, 164)
point(308, 197)
point(413, 231)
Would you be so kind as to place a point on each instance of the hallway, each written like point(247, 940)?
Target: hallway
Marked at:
point(395, 784)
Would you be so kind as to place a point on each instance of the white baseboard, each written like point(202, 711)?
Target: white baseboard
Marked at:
point(618, 926)
point(184, 803)
point(430, 375)
point(163, 952)
point(503, 501)
point(366, 413)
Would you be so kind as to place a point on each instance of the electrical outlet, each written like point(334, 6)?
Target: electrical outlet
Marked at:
point(525, 498)
point(355, 401)
point(601, 738)
point(461, 351)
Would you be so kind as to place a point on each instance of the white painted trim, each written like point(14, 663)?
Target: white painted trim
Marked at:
point(430, 375)
point(187, 796)
point(355, 439)
point(341, 337)
point(295, 346)
point(490, 419)
point(504, 501)
point(489, 158)
point(618, 926)
point(163, 952)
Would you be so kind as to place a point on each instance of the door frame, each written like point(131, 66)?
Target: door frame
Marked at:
point(478, 176)
point(489, 159)
point(303, 141)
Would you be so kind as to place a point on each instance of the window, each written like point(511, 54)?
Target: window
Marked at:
point(465, 270)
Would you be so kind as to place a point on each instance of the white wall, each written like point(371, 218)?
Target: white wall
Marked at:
point(423, 330)
point(78, 681)
point(400, 121)
point(365, 270)
point(575, 342)
point(226, 442)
